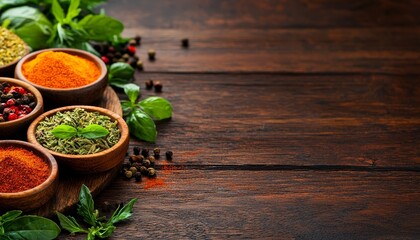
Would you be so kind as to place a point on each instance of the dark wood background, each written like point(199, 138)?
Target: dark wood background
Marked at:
point(292, 120)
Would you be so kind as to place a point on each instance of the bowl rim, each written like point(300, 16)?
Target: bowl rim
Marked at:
point(87, 55)
point(121, 124)
point(38, 151)
point(39, 100)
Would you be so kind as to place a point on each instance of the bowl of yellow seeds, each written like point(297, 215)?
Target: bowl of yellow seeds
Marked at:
point(12, 49)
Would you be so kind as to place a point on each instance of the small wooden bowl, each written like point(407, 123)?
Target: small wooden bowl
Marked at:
point(35, 197)
point(12, 129)
point(84, 95)
point(91, 163)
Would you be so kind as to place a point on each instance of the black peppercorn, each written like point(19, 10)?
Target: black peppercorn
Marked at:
point(134, 158)
point(32, 105)
point(145, 152)
point(156, 153)
point(169, 155)
point(152, 172)
point(152, 160)
point(146, 163)
point(136, 165)
point(132, 42)
point(143, 170)
point(133, 170)
point(152, 54)
point(149, 84)
point(126, 165)
point(139, 65)
point(158, 86)
point(185, 43)
point(128, 174)
point(136, 150)
point(137, 177)
point(137, 38)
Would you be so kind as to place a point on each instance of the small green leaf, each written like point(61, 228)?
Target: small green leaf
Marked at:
point(57, 11)
point(64, 131)
point(127, 107)
point(85, 208)
point(105, 231)
point(123, 213)
point(157, 107)
point(73, 10)
point(93, 131)
point(20, 16)
point(132, 90)
point(100, 27)
point(141, 125)
point(9, 216)
point(118, 82)
point(70, 224)
point(31, 227)
point(121, 70)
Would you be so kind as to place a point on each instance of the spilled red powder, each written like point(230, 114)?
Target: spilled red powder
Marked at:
point(154, 182)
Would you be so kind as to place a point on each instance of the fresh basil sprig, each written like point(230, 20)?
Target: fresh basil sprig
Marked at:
point(120, 74)
point(91, 131)
point(139, 115)
point(98, 226)
point(15, 226)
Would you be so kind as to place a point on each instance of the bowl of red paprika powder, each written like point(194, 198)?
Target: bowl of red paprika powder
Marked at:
point(29, 175)
point(64, 76)
point(20, 104)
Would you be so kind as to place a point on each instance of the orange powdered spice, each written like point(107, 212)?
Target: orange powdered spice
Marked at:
point(60, 70)
point(21, 170)
point(154, 182)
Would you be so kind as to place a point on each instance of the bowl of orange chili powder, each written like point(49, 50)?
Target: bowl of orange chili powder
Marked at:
point(29, 175)
point(64, 76)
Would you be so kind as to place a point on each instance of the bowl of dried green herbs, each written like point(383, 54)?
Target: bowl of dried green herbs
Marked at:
point(85, 139)
point(12, 49)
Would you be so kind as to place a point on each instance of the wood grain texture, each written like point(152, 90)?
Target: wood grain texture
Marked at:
point(264, 14)
point(197, 204)
point(290, 120)
point(67, 193)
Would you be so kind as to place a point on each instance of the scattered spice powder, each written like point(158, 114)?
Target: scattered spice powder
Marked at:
point(154, 182)
point(20, 170)
point(60, 70)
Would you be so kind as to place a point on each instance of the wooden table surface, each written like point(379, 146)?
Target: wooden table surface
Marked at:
point(292, 120)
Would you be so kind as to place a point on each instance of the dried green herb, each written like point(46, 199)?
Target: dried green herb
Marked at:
point(77, 144)
point(11, 47)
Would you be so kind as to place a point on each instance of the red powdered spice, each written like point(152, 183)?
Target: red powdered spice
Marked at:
point(20, 170)
point(154, 182)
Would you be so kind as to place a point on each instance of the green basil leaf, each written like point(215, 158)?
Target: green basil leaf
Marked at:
point(105, 231)
point(34, 34)
point(64, 131)
point(73, 10)
point(100, 27)
point(20, 16)
point(141, 125)
point(126, 106)
point(121, 70)
point(70, 224)
point(31, 227)
point(4, 3)
point(9, 216)
point(157, 107)
point(85, 208)
point(57, 11)
point(118, 82)
point(90, 4)
point(123, 213)
point(132, 90)
point(94, 131)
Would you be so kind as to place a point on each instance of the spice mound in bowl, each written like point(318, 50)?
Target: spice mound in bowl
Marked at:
point(85, 139)
point(20, 103)
point(28, 175)
point(12, 49)
point(64, 76)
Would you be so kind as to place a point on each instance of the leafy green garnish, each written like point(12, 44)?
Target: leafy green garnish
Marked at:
point(98, 227)
point(120, 74)
point(64, 131)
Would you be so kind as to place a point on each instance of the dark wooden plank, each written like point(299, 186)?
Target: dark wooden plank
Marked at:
point(297, 120)
point(343, 50)
point(270, 205)
point(264, 14)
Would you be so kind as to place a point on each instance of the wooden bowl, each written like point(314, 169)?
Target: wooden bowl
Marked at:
point(91, 163)
point(13, 129)
point(8, 69)
point(84, 95)
point(37, 196)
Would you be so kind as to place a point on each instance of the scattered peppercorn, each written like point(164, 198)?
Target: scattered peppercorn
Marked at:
point(147, 163)
point(152, 160)
point(185, 43)
point(169, 155)
point(136, 165)
point(137, 38)
point(149, 84)
point(134, 158)
point(128, 174)
point(133, 170)
point(137, 176)
point(145, 152)
point(136, 150)
point(156, 153)
point(152, 172)
point(152, 54)
point(139, 65)
point(143, 170)
point(158, 86)
point(132, 42)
